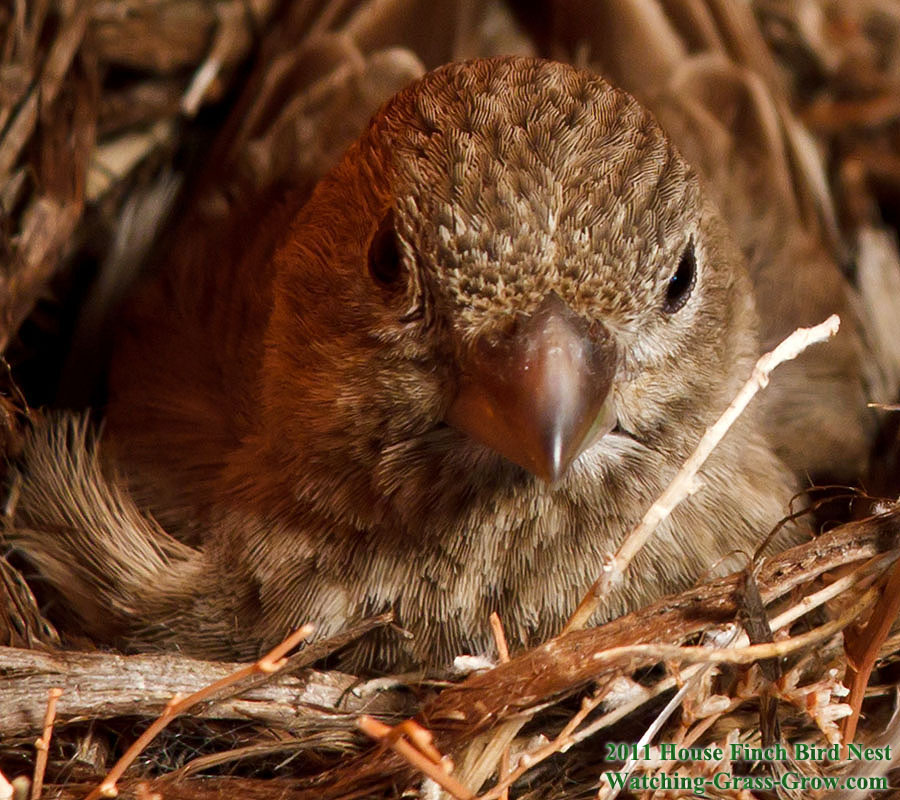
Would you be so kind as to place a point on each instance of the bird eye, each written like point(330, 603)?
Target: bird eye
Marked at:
point(682, 281)
point(385, 261)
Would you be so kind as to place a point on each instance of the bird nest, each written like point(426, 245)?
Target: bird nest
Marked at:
point(102, 104)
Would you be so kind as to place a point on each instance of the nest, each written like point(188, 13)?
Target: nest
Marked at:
point(104, 107)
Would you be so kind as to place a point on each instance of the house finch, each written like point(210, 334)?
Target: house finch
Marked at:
point(447, 384)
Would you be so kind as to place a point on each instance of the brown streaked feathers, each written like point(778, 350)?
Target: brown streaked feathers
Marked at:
point(289, 408)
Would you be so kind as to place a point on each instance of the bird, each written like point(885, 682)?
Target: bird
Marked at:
point(446, 383)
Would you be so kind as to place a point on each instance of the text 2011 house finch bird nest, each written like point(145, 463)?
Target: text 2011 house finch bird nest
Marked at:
point(462, 398)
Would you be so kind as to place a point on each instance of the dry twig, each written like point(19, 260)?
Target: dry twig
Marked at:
point(272, 662)
point(503, 655)
point(43, 744)
point(101, 682)
point(862, 648)
point(418, 750)
point(685, 481)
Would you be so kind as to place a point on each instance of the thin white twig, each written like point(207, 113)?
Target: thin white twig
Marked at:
point(684, 482)
point(841, 585)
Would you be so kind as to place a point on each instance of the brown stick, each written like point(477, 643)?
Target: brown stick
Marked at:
point(43, 744)
point(272, 662)
point(97, 687)
point(425, 762)
point(862, 649)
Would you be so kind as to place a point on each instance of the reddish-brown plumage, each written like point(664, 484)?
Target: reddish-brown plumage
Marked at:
point(287, 409)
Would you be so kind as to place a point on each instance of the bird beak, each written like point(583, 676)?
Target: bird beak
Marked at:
point(540, 394)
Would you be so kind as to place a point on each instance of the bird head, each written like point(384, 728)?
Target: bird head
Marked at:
point(512, 270)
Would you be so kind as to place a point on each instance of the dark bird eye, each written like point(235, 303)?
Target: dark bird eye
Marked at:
point(385, 261)
point(682, 282)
